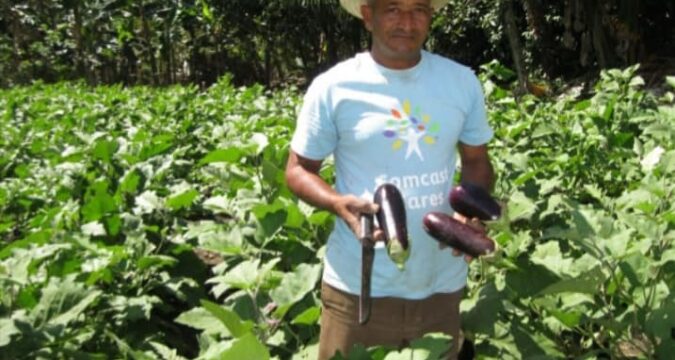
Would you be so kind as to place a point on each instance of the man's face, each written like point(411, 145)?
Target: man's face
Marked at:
point(399, 28)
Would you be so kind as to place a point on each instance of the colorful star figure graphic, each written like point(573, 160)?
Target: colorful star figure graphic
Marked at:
point(410, 127)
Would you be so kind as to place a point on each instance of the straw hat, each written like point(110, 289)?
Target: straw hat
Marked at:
point(354, 6)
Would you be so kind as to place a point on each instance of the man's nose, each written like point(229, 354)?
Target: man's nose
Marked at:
point(406, 20)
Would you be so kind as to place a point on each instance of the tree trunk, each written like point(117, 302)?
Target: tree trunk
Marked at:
point(535, 15)
point(514, 43)
point(80, 61)
point(594, 15)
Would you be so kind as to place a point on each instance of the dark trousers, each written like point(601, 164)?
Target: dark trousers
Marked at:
point(393, 321)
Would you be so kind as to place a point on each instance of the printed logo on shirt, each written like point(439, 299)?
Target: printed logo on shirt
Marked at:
point(410, 127)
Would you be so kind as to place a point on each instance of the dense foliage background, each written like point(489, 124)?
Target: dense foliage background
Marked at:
point(159, 42)
point(155, 223)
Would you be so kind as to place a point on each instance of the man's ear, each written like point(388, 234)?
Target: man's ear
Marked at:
point(367, 15)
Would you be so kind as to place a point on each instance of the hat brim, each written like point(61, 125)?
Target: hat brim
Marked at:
point(354, 6)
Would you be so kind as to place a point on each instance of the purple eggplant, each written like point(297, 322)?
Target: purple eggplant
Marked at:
point(449, 231)
point(392, 220)
point(473, 201)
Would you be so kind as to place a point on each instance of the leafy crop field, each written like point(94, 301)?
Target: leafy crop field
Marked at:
point(155, 224)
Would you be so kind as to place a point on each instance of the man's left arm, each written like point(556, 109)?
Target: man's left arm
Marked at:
point(476, 166)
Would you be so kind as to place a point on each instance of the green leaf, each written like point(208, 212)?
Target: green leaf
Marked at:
point(130, 182)
point(74, 312)
point(587, 283)
point(62, 301)
point(206, 11)
point(671, 81)
point(93, 228)
point(636, 268)
point(230, 155)
point(308, 317)
point(104, 150)
point(666, 257)
point(229, 318)
point(520, 207)
point(568, 318)
point(155, 261)
point(7, 329)
point(243, 276)
point(147, 202)
point(246, 347)
point(165, 352)
point(99, 203)
point(294, 286)
point(182, 200)
point(435, 344)
point(549, 256)
point(202, 319)
point(660, 323)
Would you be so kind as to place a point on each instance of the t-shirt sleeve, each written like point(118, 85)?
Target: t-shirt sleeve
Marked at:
point(476, 130)
point(315, 135)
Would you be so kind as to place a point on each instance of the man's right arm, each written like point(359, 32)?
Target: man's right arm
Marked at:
point(303, 179)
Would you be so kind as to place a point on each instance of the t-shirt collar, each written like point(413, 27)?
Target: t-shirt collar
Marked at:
point(403, 74)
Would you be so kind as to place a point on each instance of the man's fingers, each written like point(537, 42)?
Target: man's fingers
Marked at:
point(364, 206)
point(378, 235)
point(467, 258)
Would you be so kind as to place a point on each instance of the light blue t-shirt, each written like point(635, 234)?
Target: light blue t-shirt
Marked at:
point(401, 127)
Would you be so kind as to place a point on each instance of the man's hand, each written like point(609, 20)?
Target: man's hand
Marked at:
point(350, 208)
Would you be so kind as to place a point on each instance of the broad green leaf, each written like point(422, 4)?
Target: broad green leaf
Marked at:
point(636, 268)
point(294, 286)
point(62, 300)
point(671, 81)
point(133, 308)
point(99, 203)
point(650, 160)
point(229, 318)
point(182, 200)
point(666, 257)
point(519, 207)
point(308, 317)
point(104, 150)
point(480, 310)
point(165, 352)
point(270, 217)
point(243, 276)
point(218, 204)
point(660, 324)
point(206, 11)
point(260, 140)
point(308, 352)
point(156, 261)
point(147, 202)
point(202, 319)
point(158, 145)
point(93, 228)
point(246, 347)
point(230, 155)
point(113, 223)
point(435, 344)
point(294, 217)
point(588, 283)
point(74, 312)
point(549, 256)
point(7, 329)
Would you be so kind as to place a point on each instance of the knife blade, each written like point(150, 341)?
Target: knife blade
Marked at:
point(367, 257)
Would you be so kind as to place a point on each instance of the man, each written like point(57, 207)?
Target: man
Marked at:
point(396, 114)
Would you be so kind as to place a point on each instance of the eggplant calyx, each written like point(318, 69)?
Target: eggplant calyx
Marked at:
point(398, 254)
